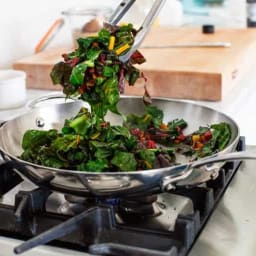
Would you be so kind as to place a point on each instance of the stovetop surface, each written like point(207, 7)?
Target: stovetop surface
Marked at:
point(230, 230)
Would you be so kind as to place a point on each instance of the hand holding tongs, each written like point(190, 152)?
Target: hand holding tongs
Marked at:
point(121, 10)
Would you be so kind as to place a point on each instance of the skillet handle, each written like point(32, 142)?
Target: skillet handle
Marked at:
point(56, 96)
point(168, 182)
point(225, 157)
point(176, 174)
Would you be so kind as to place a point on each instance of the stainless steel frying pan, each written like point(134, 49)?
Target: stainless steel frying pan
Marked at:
point(112, 184)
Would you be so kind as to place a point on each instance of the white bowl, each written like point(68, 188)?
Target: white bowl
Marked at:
point(12, 88)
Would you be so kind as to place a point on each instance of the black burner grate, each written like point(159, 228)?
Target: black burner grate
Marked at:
point(101, 230)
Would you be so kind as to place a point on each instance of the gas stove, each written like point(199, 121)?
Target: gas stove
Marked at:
point(160, 224)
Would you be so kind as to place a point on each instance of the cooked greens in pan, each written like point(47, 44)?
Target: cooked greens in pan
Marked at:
point(87, 142)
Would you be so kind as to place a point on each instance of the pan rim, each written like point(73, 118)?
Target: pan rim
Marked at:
point(139, 172)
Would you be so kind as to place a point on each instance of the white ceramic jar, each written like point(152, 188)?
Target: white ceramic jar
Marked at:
point(12, 88)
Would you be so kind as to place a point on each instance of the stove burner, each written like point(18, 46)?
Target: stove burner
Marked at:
point(101, 225)
point(75, 205)
point(140, 207)
point(8, 178)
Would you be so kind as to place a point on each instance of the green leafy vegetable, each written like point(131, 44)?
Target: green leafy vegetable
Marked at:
point(221, 134)
point(156, 114)
point(148, 157)
point(95, 73)
point(93, 166)
point(124, 161)
point(35, 138)
point(89, 143)
point(60, 73)
point(152, 118)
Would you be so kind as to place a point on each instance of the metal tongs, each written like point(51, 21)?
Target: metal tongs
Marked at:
point(121, 10)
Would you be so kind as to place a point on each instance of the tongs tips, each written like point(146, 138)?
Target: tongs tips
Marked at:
point(121, 10)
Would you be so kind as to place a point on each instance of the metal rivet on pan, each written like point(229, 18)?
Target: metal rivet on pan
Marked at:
point(40, 122)
point(214, 175)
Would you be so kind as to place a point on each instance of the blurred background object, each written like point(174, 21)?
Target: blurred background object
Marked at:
point(221, 13)
point(49, 35)
point(12, 88)
point(171, 14)
point(251, 13)
point(87, 20)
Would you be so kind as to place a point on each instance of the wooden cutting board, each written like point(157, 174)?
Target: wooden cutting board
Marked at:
point(190, 73)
